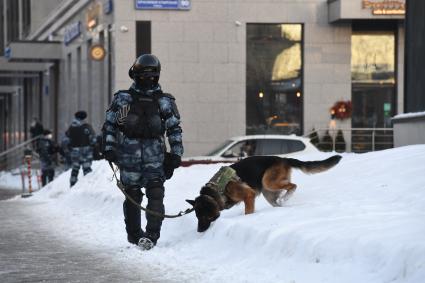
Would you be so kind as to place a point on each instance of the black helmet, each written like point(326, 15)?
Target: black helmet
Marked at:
point(146, 66)
point(80, 115)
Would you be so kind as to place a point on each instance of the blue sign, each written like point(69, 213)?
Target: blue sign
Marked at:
point(163, 4)
point(7, 52)
point(72, 31)
point(107, 6)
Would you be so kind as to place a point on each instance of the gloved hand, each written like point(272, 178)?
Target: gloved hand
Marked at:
point(171, 162)
point(110, 155)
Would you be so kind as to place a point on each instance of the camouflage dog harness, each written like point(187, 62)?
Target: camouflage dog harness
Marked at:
point(220, 180)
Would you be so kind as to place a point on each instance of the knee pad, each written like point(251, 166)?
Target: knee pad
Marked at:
point(155, 193)
point(135, 193)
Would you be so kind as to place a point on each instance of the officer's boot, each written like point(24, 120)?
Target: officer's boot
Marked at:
point(132, 215)
point(74, 176)
point(155, 194)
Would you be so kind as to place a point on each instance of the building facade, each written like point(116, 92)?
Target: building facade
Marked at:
point(235, 67)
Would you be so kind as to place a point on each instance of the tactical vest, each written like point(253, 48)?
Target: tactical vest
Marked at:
point(79, 136)
point(141, 118)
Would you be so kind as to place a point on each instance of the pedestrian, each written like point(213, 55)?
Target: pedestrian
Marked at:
point(81, 141)
point(133, 134)
point(36, 131)
point(36, 128)
point(47, 149)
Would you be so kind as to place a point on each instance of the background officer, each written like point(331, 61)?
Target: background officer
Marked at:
point(133, 134)
point(81, 140)
point(46, 150)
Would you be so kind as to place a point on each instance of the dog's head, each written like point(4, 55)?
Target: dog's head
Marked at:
point(207, 210)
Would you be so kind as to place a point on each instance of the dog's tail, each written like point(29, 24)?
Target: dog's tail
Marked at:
point(311, 167)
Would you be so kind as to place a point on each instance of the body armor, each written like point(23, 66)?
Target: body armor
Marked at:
point(141, 118)
point(79, 136)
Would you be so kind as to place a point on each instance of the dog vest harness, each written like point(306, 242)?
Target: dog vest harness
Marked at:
point(220, 180)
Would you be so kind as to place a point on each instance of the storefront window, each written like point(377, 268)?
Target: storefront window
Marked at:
point(373, 78)
point(274, 78)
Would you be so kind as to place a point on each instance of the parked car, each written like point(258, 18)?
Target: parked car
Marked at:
point(237, 148)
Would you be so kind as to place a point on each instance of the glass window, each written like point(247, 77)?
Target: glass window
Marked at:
point(373, 77)
point(278, 146)
point(242, 149)
point(219, 148)
point(274, 78)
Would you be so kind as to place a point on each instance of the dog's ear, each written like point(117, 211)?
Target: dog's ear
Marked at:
point(191, 202)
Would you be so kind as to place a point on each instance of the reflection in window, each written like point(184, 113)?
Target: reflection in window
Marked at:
point(373, 78)
point(372, 57)
point(274, 76)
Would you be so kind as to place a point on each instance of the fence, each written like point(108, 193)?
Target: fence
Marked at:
point(352, 139)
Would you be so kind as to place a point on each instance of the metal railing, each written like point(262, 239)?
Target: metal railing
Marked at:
point(352, 139)
point(12, 158)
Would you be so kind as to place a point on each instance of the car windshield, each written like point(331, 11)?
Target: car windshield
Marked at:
point(219, 148)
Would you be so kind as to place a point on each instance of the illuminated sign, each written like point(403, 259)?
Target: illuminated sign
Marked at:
point(385, 7)
point(97, 52)
point(92, 16)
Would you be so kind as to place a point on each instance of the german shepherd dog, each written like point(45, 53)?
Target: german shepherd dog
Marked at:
point(269, 175)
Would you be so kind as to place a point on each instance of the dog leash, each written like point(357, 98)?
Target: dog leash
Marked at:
point(122, 189)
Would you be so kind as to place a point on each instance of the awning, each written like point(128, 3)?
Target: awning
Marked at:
point(34, 51)
point(10, 89)
point(343, 10)
point(6, 65)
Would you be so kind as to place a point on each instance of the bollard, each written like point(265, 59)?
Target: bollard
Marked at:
point(27, 160)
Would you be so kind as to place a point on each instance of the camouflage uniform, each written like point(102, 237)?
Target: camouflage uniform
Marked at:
point(81, 148)
point(140, 160)
point(46, 150)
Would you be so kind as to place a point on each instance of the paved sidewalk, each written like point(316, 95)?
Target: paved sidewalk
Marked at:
point(30, 253)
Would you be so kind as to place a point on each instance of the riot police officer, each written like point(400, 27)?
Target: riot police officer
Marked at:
point(46, 150)
point(81, 141)
point(133, 133)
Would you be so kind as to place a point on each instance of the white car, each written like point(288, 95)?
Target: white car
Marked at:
point(237, 148)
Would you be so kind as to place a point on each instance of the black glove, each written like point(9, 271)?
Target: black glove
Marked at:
point(171, 162)
point(110, 155)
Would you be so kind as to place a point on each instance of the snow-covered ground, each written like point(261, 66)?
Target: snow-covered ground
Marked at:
point(11, 180)
point(362, 221)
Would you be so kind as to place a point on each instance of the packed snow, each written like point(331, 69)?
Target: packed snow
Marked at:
point(361, 221)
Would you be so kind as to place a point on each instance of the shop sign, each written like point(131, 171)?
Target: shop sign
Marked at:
point(92, 16)
point(72, 31)
point(97, 52)
point(163, 4)
point(385, 7)
point(107, 6)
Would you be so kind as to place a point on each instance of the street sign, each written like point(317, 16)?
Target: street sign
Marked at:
point(162, 4)
point(72, 31)
point(7, 52)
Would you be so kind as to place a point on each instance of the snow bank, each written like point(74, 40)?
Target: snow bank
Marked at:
point(362, 221)
point(409, 115)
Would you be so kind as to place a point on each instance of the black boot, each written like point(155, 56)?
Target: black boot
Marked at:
point(155, 195)
point(132, 215)
point(74, 176)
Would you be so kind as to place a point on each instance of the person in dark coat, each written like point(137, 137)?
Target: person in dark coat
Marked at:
point(47, 149)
